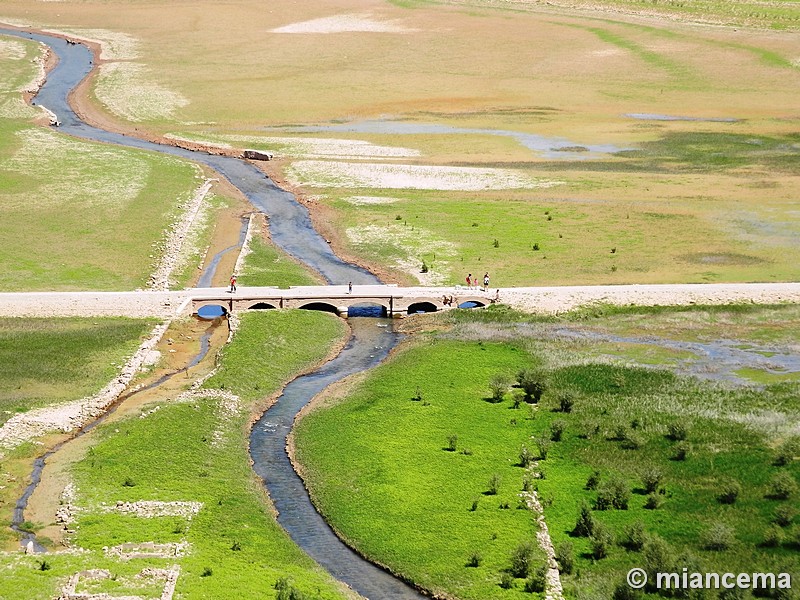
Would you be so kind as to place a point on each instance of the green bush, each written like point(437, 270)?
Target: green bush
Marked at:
point(787, 452)
point(613, 494)
point(652, 480)
point(623, 591)
point(654, 502)
point(498, 386)
point(533, 383)
point(682, 450)
point(784, 515)
point(730, 492)
point(493, 485)
point(506, 581)
point(525, 456)
point(782, 486)
point(634, 537)
point(601, 541)
point(536, 581)
point(584, 525)
point(657, 557)
point(452, 441)
point(566, 401)
point(677, 432)
point(718, 536)
point(557, 430)
point(544, 447)
point(593, 481)
point(773, 537)
point(522, 560)
point(475, 559)
point(565, 557)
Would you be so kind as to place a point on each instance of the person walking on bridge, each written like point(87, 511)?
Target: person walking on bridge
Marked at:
point(233, 283)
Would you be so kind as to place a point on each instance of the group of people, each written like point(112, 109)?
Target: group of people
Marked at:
point(474, 284)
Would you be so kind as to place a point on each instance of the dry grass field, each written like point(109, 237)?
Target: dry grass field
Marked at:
point(666, 132)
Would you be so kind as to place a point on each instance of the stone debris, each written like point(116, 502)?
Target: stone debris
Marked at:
point(148, 509)
point(148, 550)
point(168, 576)
point(67, 510)
point(178, 234)
point(73, 415)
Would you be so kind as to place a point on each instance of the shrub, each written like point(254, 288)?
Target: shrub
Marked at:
point(654, 502)
point(236, 547)
point(417, 397)
point(677, 432)
point(494, 484)
point(566, 401)
point(613, 494)
point(787, 451)
point(657, 557)
point(535, 246)
point(498, 386)
point(544, 448)
point(601, 541)
point(718, 536)
point(623, 591)
point(466, 451)
point(557, 430)
point(536, 582)
point(784, 515)
point(475, 559)
point(474, 505)
point(592, 481)
point(782, 486)
point(634, 537)
point(452, 441)
point(632, 441)
point(207, 572)
point(584, 525)
point(506, 581)
point(44, 565)
point(565, 557)
point(496, 243)
point(533, 383)
point(525, 456)
point(681, 451)
point(730, 492)
point(128, 482)
point(652, 480)
point(773, 537)
point(734, 594)
point(522, 560)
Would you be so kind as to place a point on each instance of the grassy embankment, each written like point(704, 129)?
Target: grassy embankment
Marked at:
point(628, 423)
point(194, 451)
point(82, 215)
point(43, 362)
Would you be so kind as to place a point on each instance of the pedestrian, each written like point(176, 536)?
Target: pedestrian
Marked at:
point(233, 283)
point(496, 296)
point(350, 288)
point(469, 281)
point(486, 282)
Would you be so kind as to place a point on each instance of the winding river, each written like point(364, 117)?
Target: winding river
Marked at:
point(291, 229)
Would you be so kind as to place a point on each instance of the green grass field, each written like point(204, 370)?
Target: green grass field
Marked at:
point(235, 546)
point(619, 425)
point(266, 266)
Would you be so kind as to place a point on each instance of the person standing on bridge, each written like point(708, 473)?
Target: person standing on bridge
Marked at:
point(469, 281)
point(350, 288)
point(486, 282)
point(233, 283)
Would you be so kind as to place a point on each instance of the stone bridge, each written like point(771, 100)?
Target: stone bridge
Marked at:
point(394, 301)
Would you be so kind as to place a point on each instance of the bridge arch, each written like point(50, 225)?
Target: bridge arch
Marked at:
point(422, 306)
point(261, 305)
point(472, 303)
point(211, 311)
point(323, 306)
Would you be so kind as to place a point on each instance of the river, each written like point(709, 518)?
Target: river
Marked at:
point(291, 229)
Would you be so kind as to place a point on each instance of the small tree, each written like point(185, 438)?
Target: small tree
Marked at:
point(784, 515)
point(475, 559)
point(557, 430)
point(634, 537)
point(584, 525)
point(787, 452)
point(566, 400)
point(682, 450)
point(782, 486)
point(773, 537)
point(677, 431)
point(657, 557)
point(494, 484)
point(544, 447)
point(730, 492)
point(537, 581)
point(613, 494)
point(601, 541)
point(718, 536)
point(522, 560)
point(533, 383)
point(592, 481)
point(652, 480)
point(452, 441)
point(525, 456)
point(498, 386)
point(565, 557)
